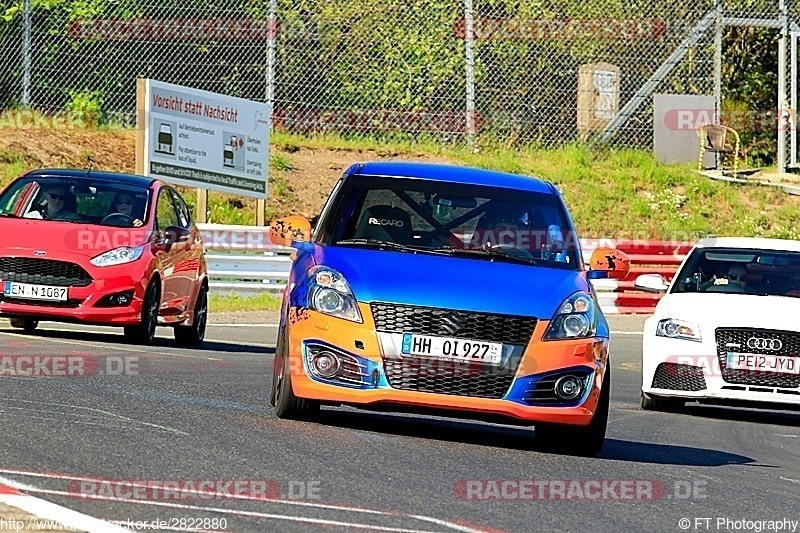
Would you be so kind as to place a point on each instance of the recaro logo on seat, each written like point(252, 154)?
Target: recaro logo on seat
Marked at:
point(385, 222)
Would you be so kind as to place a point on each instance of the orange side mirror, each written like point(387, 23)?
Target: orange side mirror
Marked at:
point(284, 231)
point(612, 261)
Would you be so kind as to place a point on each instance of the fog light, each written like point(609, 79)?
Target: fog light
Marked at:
point(569, 388)
point(326, 364)
point(121, 299)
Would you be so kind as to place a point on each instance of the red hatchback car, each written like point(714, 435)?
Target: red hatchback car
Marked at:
point(101, 248)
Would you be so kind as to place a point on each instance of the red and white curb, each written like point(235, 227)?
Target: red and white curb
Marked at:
point(11, 493)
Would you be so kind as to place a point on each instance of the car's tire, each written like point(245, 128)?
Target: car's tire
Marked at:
point(25, 324)
point(651, 403)
point(282, 397)
point(193, 335)
point(145, 331)
point(585, 441)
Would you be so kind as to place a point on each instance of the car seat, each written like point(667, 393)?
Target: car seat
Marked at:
point(385, 223)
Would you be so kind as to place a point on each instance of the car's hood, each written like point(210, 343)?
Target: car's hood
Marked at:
point(20, 235)
point(734, 310)
point(471, 284)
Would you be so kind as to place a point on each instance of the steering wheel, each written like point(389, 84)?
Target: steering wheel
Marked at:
point(118, 219)
point(512, 250)
point(730, 287)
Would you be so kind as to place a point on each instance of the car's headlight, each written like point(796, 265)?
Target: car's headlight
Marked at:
point(576, 318)
point(678, 329)
point(118, 256)
point(329, 293)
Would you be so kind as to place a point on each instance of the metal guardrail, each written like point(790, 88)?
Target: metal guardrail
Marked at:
point(242, 259)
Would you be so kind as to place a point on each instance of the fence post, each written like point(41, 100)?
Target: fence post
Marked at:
point(469, 55)
point(782, 102)
point(26, 54)
point(719, 27)
point(793, 101)
point(272, 34)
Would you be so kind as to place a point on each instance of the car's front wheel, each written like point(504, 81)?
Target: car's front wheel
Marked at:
point(193, 335)
point(25, 324)
point(586, 441)
point(145, 331)
point(282, 397)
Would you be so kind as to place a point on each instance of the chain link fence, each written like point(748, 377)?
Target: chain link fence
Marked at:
point(456, 70)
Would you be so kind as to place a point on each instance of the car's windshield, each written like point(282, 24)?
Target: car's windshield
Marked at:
point(443, 217)
point(740, 271)
point(76, 200)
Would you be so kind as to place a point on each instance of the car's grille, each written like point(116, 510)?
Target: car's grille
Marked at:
point(673, 376)
point(43, 272)
point(450, 377)
point(790, 346)
point(450, 323)
point(72, 303)
point(543, 391)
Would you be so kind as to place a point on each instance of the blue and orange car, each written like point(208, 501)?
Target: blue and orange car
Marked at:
point(447, 290)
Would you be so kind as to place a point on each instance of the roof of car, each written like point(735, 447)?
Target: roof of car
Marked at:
point(77, 174)
point(453, 174)
point(756, 243)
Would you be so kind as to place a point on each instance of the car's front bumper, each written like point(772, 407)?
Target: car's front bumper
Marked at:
point(373, 388)
point(83, 307)
point(693, 371)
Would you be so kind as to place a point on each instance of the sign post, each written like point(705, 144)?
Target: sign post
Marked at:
point(202, 139)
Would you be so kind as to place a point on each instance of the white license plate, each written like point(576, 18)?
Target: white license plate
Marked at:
point(457, 349)
point(763, 363)
point(29, 291)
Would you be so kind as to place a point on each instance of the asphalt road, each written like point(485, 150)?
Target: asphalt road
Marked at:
point(189, 416)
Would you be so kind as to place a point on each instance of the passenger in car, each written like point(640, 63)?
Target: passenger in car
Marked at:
point(123, 203)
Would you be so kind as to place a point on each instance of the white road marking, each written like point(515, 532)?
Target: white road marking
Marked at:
point(45, 510)
point(106, 413)
point(303, 519)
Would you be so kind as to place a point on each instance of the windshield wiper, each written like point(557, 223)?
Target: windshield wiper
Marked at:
point(488, 252)
point(382, 244)
point(9, 215)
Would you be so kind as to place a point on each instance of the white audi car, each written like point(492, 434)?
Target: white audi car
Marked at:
point(727, 331)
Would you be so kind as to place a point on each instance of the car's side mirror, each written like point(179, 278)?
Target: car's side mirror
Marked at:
point(172, 235)
point(609, 263)
point(286, 230)
point(651, 283)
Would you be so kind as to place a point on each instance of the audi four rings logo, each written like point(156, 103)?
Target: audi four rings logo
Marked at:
point(759, 343)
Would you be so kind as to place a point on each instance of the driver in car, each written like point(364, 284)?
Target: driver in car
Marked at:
point(123, 204)
point(730, 278)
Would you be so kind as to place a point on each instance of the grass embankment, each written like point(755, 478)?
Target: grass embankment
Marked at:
point(611, 193)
